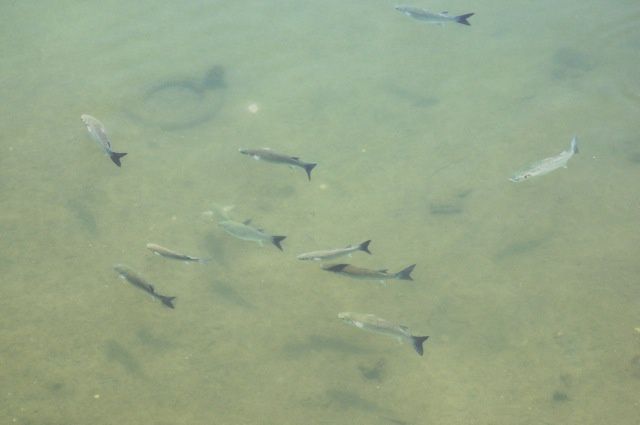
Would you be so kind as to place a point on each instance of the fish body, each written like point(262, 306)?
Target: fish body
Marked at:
point(138, 281)
point(433, 18)
point(335, 253)
point(246, 232)
point(99, 134)
point(368, 274)
point(372, 323)
point(168, 253)
point(548, 165)
point(268, 155)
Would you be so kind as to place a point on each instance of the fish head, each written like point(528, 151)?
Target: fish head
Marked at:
point(346, 317)
point(86, 120)
point(520, 177)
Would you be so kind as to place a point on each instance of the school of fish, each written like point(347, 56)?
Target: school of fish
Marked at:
point(245, 230)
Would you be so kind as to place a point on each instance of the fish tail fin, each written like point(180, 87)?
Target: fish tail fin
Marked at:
point(462, 19)
point(115, 157)
point(276, 241)
point(405, 274)
point(364, 246)
point(308, 168)
point(574, 145)
point(417, 342)
point(168, 301)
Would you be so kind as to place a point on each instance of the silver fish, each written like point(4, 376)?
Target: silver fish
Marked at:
point(138, 281)
point(335, 253)
point(547, 165)
point(433, 18)
point(368, 274)
point(268, 155)
point(246, 232)
point(375, 324)
point(99, 134)
point(166, 252)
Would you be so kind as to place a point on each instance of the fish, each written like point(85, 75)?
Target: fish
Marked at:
point(246, 232)
point(167, 253)
point(433, 18)
point(128, 274)
point(368, 274)
point(335, 253)
point(99, 134)
point(268, 155)
point(547, 165)
point(372, 323)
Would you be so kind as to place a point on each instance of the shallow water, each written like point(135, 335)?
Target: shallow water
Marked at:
point(529, 291)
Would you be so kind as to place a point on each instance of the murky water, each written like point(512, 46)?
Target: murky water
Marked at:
point(529, 291)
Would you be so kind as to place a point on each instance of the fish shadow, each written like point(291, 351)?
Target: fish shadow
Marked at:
point(454, 205)
point(213, 245)
point(117, 353)
point(519, 248)
point(349, 400)
point(82, 215)
point(569, 63)
point(149, 339)
point(318, 343)
point(228, 294)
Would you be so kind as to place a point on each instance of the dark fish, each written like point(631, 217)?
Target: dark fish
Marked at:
point(138, 281)
point(368, 274)
point(268, 155)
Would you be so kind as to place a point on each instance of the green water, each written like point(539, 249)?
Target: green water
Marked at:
point(529, 291)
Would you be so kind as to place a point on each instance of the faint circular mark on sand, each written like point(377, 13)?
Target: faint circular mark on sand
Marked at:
point(180, 103)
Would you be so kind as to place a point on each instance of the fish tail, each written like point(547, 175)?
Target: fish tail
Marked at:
point(405, 274)
point(417, 342)
point(115, 157)
point(462, 19)
point(168, 301)
point(308, 168)
point(574, 145)
point(276, 241)
point(364, 246)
